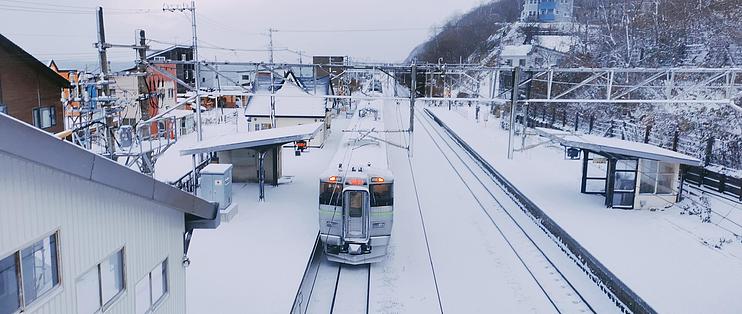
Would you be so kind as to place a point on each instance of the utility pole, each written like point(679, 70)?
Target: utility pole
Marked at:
point(513, 104)
point(104, 89)
point(413, 94)
point(197, 63)
point(143, 90)
point(273, 89)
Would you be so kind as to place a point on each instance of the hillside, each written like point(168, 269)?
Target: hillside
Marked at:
point(612, 33)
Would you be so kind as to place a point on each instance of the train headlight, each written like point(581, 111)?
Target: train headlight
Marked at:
point(331, 224)
point(379, 225)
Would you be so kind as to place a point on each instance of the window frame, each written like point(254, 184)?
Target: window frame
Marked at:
point(43, 297)
point(103, 306)
point(37, 112)
point(388, 201)
point(655, 175)
point(155, 304)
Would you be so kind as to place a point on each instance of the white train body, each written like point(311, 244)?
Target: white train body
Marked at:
point(356, 197)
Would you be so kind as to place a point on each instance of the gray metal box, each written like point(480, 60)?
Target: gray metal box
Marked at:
point(216, 184)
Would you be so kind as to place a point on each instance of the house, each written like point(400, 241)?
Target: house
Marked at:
point(82, 234)
point(293, 106)
point(161, 89)
point(326, 65)
point(30, 90)
point(184, 72)
point(547, 11)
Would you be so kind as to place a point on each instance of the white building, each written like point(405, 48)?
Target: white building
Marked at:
point(82, 234)
point(293, 106)
point(126, 88)
point(547, 11)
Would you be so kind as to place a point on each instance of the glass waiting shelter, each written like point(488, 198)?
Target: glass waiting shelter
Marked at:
point(629, 174)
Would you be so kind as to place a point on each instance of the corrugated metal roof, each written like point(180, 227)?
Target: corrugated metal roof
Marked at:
point(24, 141)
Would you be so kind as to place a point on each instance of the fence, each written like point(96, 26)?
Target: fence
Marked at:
point(711, 150)
point(188, 182)
point(718, 182)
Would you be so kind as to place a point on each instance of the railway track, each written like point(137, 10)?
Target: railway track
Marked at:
point(594, 281)
point(329, 287)
point(497, 206)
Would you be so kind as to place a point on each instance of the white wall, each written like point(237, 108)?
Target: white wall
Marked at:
point(93, 222)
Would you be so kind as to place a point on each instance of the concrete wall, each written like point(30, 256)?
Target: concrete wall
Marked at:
point(92, 221)
point(245, 165)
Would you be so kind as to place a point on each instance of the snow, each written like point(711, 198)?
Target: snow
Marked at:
point(179, 113)
point(556, 42)
point(516, 50)
point(616, 146)
point(254, 263)
point(255, 138)
point(664, 256)
point(290, 100)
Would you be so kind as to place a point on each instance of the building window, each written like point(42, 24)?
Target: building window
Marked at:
point(152, 289)
point(98, 288)
point(37, 268)
point(657, 177)
point(522, 62)
point(44, 117)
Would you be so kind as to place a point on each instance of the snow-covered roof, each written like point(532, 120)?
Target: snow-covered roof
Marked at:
point(262, 138)
point(616, 146)
point(291, 101)
point(516, 50)
point(556, 42)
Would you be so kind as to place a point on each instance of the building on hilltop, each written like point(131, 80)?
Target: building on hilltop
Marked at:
point(547, 11)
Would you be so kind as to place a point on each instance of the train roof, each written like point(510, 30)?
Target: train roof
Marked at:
point(359, 147)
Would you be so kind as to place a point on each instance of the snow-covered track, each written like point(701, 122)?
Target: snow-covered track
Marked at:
point(352, 289)
point(545, 236)
point(329, 287)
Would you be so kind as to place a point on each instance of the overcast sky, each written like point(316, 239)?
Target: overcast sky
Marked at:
point(378, 30)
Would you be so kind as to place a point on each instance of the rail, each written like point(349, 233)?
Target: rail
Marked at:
point(187, 182)
point(304, 292)
point(602, 275)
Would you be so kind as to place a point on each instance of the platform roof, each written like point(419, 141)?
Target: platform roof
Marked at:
point(614, 146)
point(27, 142)
point(255, 139)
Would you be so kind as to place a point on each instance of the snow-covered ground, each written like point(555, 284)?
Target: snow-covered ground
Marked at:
point(668, 257)
point(255, 262)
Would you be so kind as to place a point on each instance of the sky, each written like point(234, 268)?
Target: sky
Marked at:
point(372, 31)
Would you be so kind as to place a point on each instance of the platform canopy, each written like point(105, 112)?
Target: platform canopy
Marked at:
point(614, 146)
point(255, 139)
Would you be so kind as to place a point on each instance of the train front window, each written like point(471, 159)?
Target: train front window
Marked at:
point(331, 194)
point(382, 195)
point(355, 204)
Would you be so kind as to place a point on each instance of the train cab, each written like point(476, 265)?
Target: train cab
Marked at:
point(356, 209)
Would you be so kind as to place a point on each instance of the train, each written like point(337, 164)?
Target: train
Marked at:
point(356, 195)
